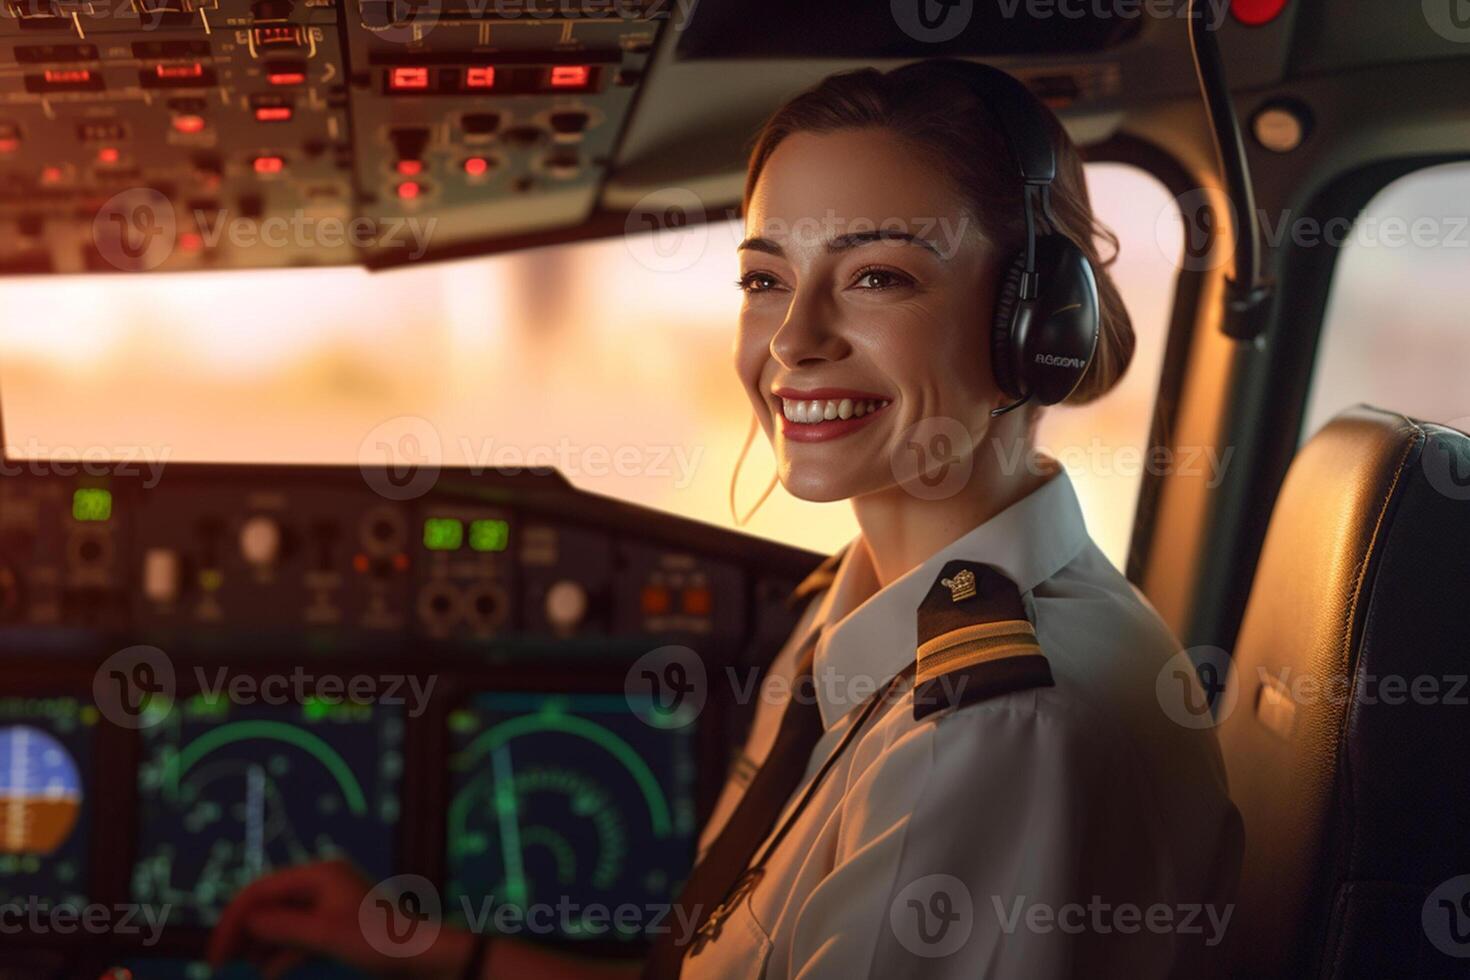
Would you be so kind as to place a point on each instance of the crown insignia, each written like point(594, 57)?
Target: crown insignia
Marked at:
point(962, 586)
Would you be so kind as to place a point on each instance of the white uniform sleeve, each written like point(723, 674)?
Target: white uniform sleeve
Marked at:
point(1010, 838)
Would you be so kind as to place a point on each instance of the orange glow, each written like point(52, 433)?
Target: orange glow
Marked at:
point(609, 359)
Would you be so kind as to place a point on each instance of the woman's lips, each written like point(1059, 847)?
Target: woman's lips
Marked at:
point(820, 414)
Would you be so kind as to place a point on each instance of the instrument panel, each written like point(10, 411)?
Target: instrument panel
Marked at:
point(140, 135)
point(236, 669)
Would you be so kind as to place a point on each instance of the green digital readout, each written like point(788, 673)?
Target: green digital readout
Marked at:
point(91, 504)
point(443, 534)
point(489, 535)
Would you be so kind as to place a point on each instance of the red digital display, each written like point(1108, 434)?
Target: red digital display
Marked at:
point(269, 165)
point(571, 76)
point(286, 77)
point(68, 76)
point(407, 79)
point(273, 113)
point(481, 78)
point(196, 70)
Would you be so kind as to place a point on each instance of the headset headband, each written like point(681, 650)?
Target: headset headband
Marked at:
point(1020, 114)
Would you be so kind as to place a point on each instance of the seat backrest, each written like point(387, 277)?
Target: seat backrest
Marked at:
point(1346, 740)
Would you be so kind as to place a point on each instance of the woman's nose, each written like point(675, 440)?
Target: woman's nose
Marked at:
point(807, 337)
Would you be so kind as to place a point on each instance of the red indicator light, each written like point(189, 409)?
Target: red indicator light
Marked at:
point(655, 600)
point(697, 601)
point(188, 124)
point(360, 564)
point(1254, 13)
point(108, 154)
point(273, 113)
point(571, 76)
point(408, 79)
point(68, 76)
point(286, 77)
point(410, 168)
point(196, 70)
point(476, 166)
point(408, 190)
point(400, 562)
point(9, 145)
point(479, 77)
point(50, 175)
point(191, 241)
point(269, 165)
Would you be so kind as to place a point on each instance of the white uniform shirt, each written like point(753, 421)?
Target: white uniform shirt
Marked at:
point(1055, 831)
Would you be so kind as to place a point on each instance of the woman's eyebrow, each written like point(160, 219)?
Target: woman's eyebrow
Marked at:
point(859, 238)
point(761, 245)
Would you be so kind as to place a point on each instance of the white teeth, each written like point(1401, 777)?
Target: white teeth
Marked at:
point(817, 410)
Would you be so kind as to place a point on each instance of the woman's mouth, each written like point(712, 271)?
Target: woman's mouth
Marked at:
point(816, 416)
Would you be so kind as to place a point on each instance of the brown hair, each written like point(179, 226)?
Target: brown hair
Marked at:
point(930, 105)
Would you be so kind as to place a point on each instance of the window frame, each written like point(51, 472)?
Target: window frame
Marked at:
point(1265, 402)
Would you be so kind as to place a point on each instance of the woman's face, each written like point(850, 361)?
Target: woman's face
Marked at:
point(868, 298)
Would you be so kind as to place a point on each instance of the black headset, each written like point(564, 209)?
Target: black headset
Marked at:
point(1045, 331)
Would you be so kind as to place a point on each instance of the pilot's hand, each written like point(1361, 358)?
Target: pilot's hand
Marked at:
point(314, 910)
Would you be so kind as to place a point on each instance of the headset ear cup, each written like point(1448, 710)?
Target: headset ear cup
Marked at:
point(1002, 354)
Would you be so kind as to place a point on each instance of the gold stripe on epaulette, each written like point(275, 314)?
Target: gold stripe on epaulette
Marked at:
point(976, 644)
point(977, 631)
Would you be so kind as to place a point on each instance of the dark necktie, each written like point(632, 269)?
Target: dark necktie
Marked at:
point(716, 880)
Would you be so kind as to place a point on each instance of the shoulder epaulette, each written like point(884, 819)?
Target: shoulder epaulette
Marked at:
point(975, 641)
point(818, 580)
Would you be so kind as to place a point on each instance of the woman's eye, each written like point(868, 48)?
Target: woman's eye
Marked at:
point(881, 279)
point(757, 282)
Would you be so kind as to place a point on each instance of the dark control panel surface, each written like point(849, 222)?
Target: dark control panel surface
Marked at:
point(218, 672)
point(219, 554)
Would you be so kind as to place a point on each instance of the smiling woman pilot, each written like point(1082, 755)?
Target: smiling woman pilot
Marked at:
point(974, 776)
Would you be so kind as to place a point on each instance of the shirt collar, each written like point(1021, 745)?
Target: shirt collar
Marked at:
point(870, 634)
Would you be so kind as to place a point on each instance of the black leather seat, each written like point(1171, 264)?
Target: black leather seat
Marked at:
point(1348, 742)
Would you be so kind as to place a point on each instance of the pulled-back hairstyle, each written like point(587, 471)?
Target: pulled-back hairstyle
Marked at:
point(930, 105)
